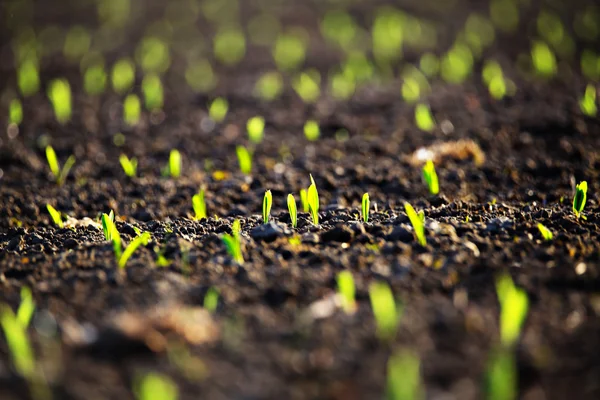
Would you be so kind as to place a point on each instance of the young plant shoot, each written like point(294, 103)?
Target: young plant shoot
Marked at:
point(233, 242)
point(513, 310)
point(312, 198)
point(155, 386)
point(291, 203)
point(431, 178)
point(347, 291)
point(211, 299)
point(199, 205)
point(129, 165)
point(55, 215)
point(404, 377)
point(384, 309)
point(580, 199)
point(417, 221)
point(501, 376)
point(60, 175)
point(173, 168)
point(256, 129)
point(365, 206)
point(112, 235)
point(304, 199)
point(546, 233)
point(244, 159)
point(267, 203)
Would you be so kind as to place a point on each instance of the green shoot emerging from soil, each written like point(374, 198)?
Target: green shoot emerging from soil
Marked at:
point(267, 203)
point(199, 205)
point(423, 118)
point(546, 233)
point(291, 203)
point(218, 109)
point(304, 200)
point(112, 235)
point(384, 309)
point(59, 93)
point(244, 159)
point(132, 108)
point(55, 215)
point(513, 310)
point(140, 240)
point(154, 386)
point(311, 130)
point(312, 198)
point(233, 242)
point(173, 168)
point(431, 178)
point(211, 299)
point(417, 221)
point(580, 198)
point(588, 102)
point(60, 175)
point(501, 376)
point(20, 348)
point(404, 377)
point(15, 112)
point(129, 165)
point(256, 129)
point(346, 291)
point(365, 206)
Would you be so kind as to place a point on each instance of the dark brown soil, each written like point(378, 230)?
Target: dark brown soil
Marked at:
point(262, 342)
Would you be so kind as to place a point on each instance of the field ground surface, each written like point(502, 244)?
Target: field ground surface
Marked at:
point(278, 331)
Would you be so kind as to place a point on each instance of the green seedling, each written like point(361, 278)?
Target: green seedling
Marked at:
point(108, 225)
point(218, 109)
point(154, 386)
point(200, 76)
point(544, 60)
point(267, 203)
point(55, 215)
point(404, 377)
point(129, 165)
point(26, 308)
point(244, 159)
point(580, 198)
point(15, 112)
point(153, 91)
point(132, 109)
point(311, 130)
point(431, 178)
point(289, 50)
point(501, 376)
point(513, 310)
point(417, 222)
point(173, 168)
point(140, 240)
point(28, 77)
point(123, 75)
point(269, 86)
point(211, 299)
point(19, 345)
point(304, 199)
point(365, 206)
point(256, 129)
point(423, 118)
point(346, 291)
point(199, 205)
point(233, 242)
point(291, 203)
point(229, 46)
point(546, 233)
point(59, 93)
point(60, 175)
point(308, 86)
point(161, 260)
point(587, 103)
point(384, 309)
point(94, 80)
point(312, 198)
